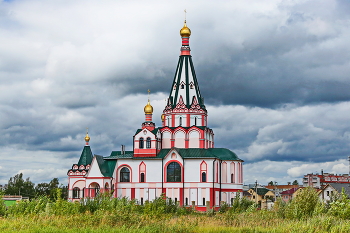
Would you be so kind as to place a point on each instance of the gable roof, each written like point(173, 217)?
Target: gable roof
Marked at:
point(86, 156)
point(289, 191)
point(106, 166)
point(152, 131)
point(339, 187)
point(260, 191)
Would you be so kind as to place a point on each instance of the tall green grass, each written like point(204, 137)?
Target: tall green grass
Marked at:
point(105, 214)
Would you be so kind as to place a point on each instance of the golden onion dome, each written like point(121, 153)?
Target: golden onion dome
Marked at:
point(87, 138)
point(163, 117)
point(185, 31)
point(148, 108)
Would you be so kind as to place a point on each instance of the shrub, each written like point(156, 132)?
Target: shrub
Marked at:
point(303, 205)
point(2, 205)
point(241, 204)
point(341, 206)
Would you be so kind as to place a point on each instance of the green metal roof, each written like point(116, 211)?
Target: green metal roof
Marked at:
point(220, 153)
point(86, 156)
point(261, 191)
point(153, 131)
point(106, 166)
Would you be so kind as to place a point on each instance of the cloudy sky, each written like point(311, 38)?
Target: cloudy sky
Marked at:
point(274, 75)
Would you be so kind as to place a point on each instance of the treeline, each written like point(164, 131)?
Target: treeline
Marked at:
point(26, 188)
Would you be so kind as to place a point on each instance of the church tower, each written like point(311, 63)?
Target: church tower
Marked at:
point(184, 118)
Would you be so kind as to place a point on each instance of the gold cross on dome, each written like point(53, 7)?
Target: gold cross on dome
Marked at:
point(185, 14)
point(148, 94)
point(87, 130)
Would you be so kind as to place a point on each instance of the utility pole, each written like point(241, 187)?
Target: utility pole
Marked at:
point(256, 191)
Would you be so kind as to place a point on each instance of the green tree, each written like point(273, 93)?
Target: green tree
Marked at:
point(295, 182)
point(270, 183)
point(18, 186)
point(42, 189)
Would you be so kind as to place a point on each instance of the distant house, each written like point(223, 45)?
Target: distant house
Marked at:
point(259, 194)
point(278, 189)
point(287, 195)
point(331, 190)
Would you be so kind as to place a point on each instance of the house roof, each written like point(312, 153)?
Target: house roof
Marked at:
point(106, 166)
point(261, 191)
point(339, 187)
point(287, 186)
point(289, 191)
point(86, 156)
point(220, 153)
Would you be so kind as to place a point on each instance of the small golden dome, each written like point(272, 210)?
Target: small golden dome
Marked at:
point(163, 117)
point(87, 138)
point(148, 108)
point(185, 31)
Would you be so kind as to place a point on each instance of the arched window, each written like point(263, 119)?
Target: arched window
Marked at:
point(195, 121)
point(141, 143)
point(204, 177)
point(94, 190)
point(125, 175)
point(203, 173)
point(182, 86)
point(173, 172)
point(76, 192)
point(142, 178)
point(180, 121)
point(148, 143)
point(168, 121)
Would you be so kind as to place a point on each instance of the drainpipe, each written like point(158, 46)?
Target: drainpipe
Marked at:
point(213, 192)
point(183, 184)
point(220, 181)
point(162, 174)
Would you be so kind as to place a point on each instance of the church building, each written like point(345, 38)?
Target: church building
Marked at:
point(177, 159)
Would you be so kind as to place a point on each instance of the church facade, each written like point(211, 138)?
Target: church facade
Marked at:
point(177, 159)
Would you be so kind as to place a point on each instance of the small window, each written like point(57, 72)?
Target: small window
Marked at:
point(175, 200)
point(141, 143)
point(204, 177)
point(141, 200)
point(231, 177)
point(148, 143)
point(168, 121)
point(186, 201)
point(327, 193)
point(142, 178)
point(180, 121)
point(203, 201)
point(124, 175)
point(191, 85)
point(195, 121)
point(76, 192)
point(182, 86)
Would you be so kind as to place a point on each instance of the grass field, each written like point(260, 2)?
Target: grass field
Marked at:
point(260, 221)
point(305, 213)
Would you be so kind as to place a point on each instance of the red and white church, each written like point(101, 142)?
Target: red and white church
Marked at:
point(177, 159)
